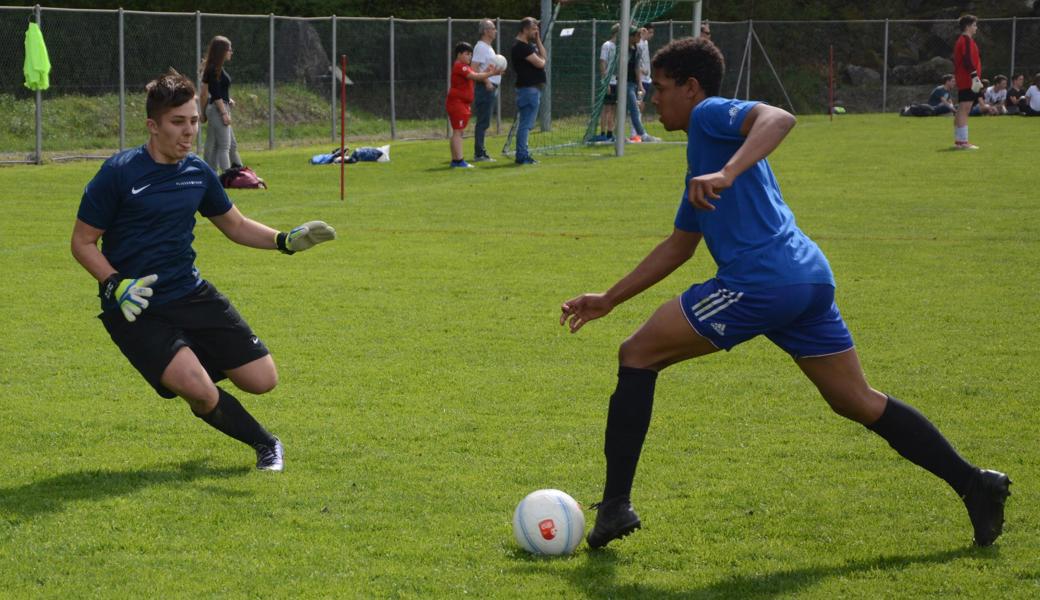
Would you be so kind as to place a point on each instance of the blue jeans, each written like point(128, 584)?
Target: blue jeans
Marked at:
point(483, 104)
point(527, 100)
point(633, 109)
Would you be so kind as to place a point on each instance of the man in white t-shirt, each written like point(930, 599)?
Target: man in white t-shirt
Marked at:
point(484, 94)
point(645, 34)
point(607, 55)
point(1031, 106)
point(996, 94)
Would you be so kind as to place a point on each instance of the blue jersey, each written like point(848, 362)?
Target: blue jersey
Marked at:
point(751, 234)
point(147, 212)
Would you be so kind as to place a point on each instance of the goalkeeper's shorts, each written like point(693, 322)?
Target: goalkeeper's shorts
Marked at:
point(203, 321)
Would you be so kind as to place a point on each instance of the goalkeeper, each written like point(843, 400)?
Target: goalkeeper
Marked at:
point(173, 326)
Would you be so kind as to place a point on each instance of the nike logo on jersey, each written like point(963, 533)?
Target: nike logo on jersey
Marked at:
point(135, 191)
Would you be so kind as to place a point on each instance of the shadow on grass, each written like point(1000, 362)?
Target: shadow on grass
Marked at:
point(596, 576)
point(52, 494)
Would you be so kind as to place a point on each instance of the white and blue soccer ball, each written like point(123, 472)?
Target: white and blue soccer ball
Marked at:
point(548, 522)
point(500, 62)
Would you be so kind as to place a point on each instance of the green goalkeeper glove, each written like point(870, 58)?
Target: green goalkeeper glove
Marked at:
point(130, 294)
point(305, 236)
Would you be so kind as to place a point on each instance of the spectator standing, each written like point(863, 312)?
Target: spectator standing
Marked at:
point(607, 55)
point(635, 90)
point(941, 99)
point(484, 95)
point(221, 150)
point(460, 96)
point(967, 68)
point(645, 34)
point(528, 57)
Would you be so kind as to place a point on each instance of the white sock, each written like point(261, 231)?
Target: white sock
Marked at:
point(960, 134)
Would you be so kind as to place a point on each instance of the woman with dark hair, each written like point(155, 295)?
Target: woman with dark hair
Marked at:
point(221, 150)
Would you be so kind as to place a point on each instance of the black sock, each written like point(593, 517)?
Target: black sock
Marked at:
point(627, 422)
point(915, 438)
point(232, 419)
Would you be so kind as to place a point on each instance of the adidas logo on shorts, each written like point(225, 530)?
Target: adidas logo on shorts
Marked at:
point(720, 328)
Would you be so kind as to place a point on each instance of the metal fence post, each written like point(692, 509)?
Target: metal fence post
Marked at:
point(884, 74)
point(595, 63)
point(39, 101)
point(270, 84)
point(198, 74)
point(1014, 33)
point(332, 77)
point(498, 96)
point(122, 83)
point(451, 62)
point(393, 83)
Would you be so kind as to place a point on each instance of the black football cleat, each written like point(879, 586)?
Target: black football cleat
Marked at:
point(984, 500)
point(615, 518)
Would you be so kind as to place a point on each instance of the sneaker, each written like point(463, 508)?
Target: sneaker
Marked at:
point(649, 139)
point(615, 518)
point(964, 146)
point(270, 458)
point(461, 165)
point(635, 139)
point(610, 136)
point(984, 500)
point(526, 161)
point(483, 158)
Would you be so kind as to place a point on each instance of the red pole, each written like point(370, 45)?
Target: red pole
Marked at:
point(830, 82)
point(342, 122)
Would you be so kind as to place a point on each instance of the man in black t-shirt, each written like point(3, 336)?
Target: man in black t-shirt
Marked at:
point(528, 57)
point(1015, 93)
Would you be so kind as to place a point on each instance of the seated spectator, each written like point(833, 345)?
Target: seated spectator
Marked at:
point(996, 94)
point(1015, 95)
point(980, 107)
point(1031, 105)
point(941, 99)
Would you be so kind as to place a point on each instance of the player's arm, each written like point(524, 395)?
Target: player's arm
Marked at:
point(86, 252)
point(128, 292)
point(675, 250)
point(242, 230)
point(491, 71)
point(764, 128)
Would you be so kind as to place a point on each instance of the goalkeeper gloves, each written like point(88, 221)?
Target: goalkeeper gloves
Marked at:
point(976, 84)
point(305, 236)
point(129, 294)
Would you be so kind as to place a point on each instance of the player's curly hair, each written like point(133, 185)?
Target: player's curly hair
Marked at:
point(169, 90)
point(692, 57)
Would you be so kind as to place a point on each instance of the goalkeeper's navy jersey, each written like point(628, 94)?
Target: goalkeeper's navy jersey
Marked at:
point(751, 234)
point(147, 212)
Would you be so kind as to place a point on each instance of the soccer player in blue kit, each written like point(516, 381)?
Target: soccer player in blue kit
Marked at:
point(772, 280)
point(174, 327)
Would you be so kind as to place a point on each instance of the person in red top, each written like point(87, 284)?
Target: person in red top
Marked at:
point(460, 96)
point(967, 70)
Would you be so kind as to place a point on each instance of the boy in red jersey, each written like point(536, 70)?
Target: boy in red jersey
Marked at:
point(967, 70)
point(460, 96)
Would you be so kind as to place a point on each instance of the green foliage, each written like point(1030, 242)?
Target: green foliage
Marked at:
point(426, 386)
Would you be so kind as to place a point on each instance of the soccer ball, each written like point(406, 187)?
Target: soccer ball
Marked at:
point(548, 522)
point(500, 61)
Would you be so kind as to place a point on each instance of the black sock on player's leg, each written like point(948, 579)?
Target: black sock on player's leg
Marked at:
point(916, 439)
point(232, 419)
point(628, 419)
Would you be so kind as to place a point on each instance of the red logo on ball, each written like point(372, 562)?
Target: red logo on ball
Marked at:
point(548, 529)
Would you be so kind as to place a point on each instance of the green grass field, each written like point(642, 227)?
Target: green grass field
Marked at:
point(426, 386)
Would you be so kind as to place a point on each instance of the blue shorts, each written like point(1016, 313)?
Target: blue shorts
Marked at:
point(803, 320)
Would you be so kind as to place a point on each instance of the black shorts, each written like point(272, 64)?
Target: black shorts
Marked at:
point(611, 97)
point(966, 95)
point(204, 321)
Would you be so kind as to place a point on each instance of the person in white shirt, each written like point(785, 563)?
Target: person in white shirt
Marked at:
point(647, 34)
point(607, 55)
point(996, 94)
point(484, 93)
point(1031, 106)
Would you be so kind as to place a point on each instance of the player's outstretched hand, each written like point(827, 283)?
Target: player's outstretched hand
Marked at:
point(576, 312)
point(132, 295)
point(707, 186)
point(306, 236)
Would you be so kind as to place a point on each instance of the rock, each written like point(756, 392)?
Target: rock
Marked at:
point(928, 72)
point(859, 76)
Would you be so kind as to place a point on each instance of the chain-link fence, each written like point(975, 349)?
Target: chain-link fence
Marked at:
point(286, 72)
